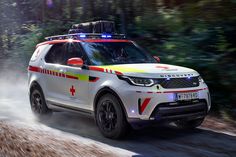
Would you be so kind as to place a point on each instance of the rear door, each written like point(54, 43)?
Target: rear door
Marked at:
point(54, 74)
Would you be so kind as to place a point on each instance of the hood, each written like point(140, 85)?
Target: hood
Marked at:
point(151, 70)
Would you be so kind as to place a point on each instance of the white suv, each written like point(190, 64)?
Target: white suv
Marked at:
point(116, 82)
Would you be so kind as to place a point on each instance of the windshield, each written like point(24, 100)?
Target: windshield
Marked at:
point(109, 53)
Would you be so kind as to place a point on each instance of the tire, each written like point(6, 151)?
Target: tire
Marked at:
point(38, 103)
point(191, 124)
point(110, 118)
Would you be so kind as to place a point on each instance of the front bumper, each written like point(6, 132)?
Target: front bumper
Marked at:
point(166, 112)
point(181, 110)
point(160, 105)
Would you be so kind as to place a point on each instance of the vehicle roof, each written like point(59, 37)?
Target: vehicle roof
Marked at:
point(84, 40)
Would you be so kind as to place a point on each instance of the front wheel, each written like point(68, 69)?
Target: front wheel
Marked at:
point(191, 124)
point(110, 117)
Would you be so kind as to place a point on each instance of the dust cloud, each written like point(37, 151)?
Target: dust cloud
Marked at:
point(14, 100)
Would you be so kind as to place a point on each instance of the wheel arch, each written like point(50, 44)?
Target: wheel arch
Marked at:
point(106, 90)
point(34, 83)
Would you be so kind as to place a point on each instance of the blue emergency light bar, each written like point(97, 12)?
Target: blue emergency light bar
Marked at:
point(81, 36)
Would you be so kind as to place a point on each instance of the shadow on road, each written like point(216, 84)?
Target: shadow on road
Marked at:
point(155, 141)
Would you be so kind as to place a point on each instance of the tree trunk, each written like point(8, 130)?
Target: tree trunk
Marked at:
point(104, 9)
point(93, 9)
point(72, 7)
point(85, 14)
point(123, 16)
point(43, 10)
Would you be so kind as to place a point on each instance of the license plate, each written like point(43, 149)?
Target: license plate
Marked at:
point(186, 96)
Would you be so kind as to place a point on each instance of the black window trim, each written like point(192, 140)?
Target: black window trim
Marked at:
point(82, 51)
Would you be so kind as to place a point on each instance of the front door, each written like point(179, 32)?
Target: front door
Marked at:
point(77, 79)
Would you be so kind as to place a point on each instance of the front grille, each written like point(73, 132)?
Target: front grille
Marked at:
point(178, 82)
point(181, 110)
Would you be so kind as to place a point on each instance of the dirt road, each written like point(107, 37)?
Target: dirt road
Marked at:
point(67, 134)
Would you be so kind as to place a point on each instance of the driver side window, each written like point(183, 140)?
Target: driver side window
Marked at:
point(73, 51)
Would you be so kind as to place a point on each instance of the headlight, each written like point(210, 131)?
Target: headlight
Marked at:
point(200, 79)
point(137, 81)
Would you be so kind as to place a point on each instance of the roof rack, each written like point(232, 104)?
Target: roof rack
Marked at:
point(102, 26)
point(90, 30)
point(81, 36)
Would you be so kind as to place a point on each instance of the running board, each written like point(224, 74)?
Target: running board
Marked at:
point(62, 107)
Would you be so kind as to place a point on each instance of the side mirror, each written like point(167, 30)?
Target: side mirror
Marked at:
point(75, 62)
point(157, 59)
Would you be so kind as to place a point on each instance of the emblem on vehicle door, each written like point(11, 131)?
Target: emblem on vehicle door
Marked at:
point(72, 90)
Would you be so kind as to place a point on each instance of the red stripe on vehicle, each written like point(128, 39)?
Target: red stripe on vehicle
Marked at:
point(34, 69)
point(184, 91)
point(56, 42)
point(96, 69)
point(144, 104)
point(118, 73)
point(71, 77)
point(50, 72)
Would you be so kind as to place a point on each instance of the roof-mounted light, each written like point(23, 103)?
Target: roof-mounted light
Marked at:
point(82, 36)
point(78, 36)
point(106, 36)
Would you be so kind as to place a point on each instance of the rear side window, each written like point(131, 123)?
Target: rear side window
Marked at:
point(56, 54)
point(60, 53)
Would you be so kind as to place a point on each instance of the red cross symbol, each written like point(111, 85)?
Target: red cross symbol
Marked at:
point(72, 90)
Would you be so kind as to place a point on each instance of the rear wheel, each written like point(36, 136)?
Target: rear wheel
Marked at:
point(191, 124)
point(110, 117)
point(38, 103)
